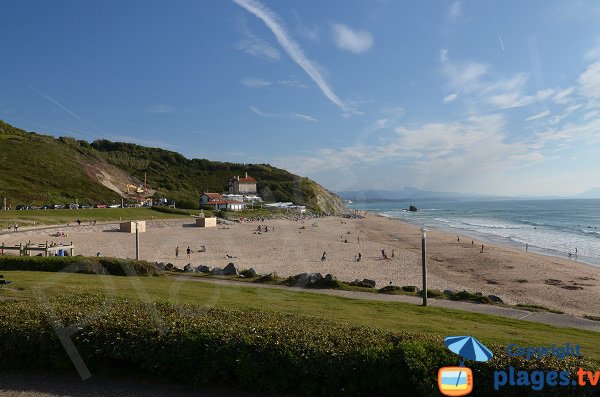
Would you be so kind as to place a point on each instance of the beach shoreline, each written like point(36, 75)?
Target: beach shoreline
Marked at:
point(293, 247)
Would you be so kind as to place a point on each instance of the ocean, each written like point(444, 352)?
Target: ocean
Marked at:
point(550, 227)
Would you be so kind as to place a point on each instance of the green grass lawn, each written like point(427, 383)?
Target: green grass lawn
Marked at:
point(383, 315)
point(51, 217)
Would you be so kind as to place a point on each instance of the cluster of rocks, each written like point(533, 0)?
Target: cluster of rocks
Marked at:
point(491, 298)
point(310, 280)
point(365, 283)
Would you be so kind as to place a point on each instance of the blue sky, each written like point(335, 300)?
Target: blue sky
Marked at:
point(467, 96)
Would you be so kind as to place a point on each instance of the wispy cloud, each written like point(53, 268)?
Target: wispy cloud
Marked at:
point(455, 10)
point(54, 101)
point(255, 83)
point(538, 116)
point(158, 109)
point(355, 41)
point(291, 115)
point(589, 81)
point(310, 33)
point(278, 29)
point(450, 98)
point(255, 46)
point(292, 83)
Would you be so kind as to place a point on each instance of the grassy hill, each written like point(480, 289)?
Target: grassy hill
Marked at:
point(40, 169)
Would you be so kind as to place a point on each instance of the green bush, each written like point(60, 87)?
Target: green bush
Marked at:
point(79, 264)
point(266, 351)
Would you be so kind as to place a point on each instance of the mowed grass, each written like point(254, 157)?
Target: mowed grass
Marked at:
point(383, 315)
point(53, 217)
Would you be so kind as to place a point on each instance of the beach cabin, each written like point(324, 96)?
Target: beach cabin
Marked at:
point(206, 222)
point(129, 227)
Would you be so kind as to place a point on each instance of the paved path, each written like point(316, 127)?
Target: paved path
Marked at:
point(559, 320)
point(21, 385)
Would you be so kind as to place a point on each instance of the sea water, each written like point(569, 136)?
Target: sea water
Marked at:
point(551, 227)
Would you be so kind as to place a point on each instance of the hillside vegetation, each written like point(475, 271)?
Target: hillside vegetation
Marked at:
point(41, 169)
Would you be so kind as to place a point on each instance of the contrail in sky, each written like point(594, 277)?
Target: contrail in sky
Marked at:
point(293, 49)
point(66, 109)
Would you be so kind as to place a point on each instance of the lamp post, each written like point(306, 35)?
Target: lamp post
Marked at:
point(424, 262)
point(137, 242)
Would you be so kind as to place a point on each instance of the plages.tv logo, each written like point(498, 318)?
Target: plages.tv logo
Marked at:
point(458, 381)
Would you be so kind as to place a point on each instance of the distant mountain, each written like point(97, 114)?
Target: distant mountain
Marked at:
point(406, 193)
point(593, 193)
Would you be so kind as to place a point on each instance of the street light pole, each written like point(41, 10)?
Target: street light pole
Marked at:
point(424, 263)
point(137, 242)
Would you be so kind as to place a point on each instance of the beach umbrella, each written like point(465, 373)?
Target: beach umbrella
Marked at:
point(468, 347)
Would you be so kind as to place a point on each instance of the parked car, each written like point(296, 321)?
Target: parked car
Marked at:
point(34, 207)
point(72, 206)
point(85, 206)
point(22, 207)
point(100, 206)
point(114, 206)
point(57, 206)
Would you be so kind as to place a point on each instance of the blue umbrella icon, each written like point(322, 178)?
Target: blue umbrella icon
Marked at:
point(468, 347)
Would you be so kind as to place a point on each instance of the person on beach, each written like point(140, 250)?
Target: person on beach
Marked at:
point(393, 253)
point(78, 222)
point(526, 247)
point(324, 256)
point(359, 257)
point(16, 227)
point(458, 239)
point(188, 252)
point(481, 247)
point(176, 252)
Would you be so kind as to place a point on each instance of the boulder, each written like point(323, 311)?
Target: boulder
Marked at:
point(329, 278)
point(368, 283)
point(217, 271)
point(495, 299)
point(248, 273)
point(412, 208)
point(203, 269)
point(314, 277)
point(169, 266)
point(449, 292)
point(188, 268)
point(230, 270)
point(410, 288)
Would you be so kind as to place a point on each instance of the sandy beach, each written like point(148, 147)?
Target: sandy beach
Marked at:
point(292, 247)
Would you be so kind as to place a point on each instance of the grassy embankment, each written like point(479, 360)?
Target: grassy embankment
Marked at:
point(61, 217)
point(383, 315)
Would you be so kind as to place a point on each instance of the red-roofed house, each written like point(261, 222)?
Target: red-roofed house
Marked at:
point(246, 185)
point(218, 202)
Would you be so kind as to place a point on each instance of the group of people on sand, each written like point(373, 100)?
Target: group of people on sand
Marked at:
point(188, 252)
point(357, 258)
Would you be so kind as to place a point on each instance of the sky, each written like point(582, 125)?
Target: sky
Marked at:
point(496, 97)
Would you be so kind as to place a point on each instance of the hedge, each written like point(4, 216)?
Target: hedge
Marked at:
point(264, 351)
point(79, 264)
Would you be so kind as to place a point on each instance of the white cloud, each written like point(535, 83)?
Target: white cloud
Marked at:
point(162, 108)
point(538, 116)
point(355, 41)
point(255, 46)
point(255, 83)
point(563, 97)
point(292, 115)
point(590, 115)
point(455, 10)
point(450, 98)
point(293, 49)
point(292, 83)
point(589, 81)
point(516, 99)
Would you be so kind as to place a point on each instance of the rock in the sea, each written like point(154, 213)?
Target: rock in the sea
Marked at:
point(230, 270)
point(217, 271)
point(412, 208)
point(495, 299)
